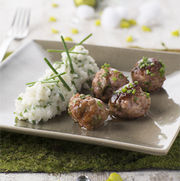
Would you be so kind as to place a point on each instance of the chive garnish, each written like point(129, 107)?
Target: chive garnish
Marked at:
point(61, 51)
point(19, 98)
point(51, 81)
point(98, 102)
point(80, 42)
point(124, 89)
point(134, 91)
point(62, 97)
point(55, 76)
point(82, 96)
point(135, 99)
point(129, 91)
point(62, 80)
point(67, 52)
point(135, 82)
point(114, 79)
point(99, 117)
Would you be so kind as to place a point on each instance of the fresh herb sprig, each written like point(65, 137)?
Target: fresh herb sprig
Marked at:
point(67, 52)
point(70, 50)
point(54, 70)
point(80, 42)
point(44, 81)
point(61, 51)
point(52, 77)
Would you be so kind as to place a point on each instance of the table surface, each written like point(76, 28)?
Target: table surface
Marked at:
point(40, 28)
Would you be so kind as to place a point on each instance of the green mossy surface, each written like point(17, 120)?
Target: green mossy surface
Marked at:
point(24, 153)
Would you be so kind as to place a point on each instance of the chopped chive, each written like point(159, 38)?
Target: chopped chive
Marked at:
point(99, 117)
point(80, 42)
point(99, 103)
point(106, 65)
point(90, 72)
point(62, 80)
point(162, 71)
point(134, 91)
point(114, 79)
point(135, 99)
point(124, 90)
point(51, 81)
point(99, 83)
point(115, 71)
point(62, 97)
point(70, 62)
point(147, 95)
point(131, 85)
point(152, 74)
point(136, 82)
point(148, 72)
point(82, 96)
point(19, 98)
point(129, 91)
point(55, 76)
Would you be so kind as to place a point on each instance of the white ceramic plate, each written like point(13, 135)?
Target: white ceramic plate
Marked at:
point(153, 134)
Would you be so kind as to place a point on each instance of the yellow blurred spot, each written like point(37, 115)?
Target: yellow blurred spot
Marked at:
point(54, 31)
point(54, 5)
point(52, 18)
point(129, 39)
point(68, 39)
point(86, 2)
point(97, 22)
point(125, 23)
point(100, 13)
point(114, 177)
point(132, 22)
point(74, 31)
point(145, 28)
point(175, 33)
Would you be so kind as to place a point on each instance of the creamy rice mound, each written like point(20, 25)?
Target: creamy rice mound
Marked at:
point(43, 101)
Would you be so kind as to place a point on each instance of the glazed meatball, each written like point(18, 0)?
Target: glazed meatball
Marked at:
point(106, 81)
point(149, 72)
point(87, 111)
point(129, 102)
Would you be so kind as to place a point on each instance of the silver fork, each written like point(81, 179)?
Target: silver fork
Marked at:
point(18, 30)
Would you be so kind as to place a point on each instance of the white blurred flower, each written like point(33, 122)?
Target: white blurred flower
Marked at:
point(110, 18)
point(122, 12)
point(85, 12)
point(150, 13)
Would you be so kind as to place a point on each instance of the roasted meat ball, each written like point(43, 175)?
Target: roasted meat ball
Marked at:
point(149, 72)
point(88, 111)
point(129, 102)
point(106, 81)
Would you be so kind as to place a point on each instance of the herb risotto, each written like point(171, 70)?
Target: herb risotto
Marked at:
point(50, 95)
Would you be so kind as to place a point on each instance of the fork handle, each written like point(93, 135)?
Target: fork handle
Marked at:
point(4, 47)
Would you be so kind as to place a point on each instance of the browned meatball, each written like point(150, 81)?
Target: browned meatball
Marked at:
point(129, 102)
point(106, 81)
point(89, 112)
point(149, 72)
